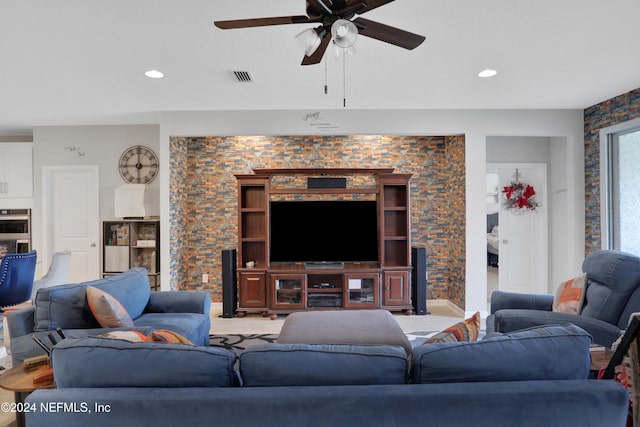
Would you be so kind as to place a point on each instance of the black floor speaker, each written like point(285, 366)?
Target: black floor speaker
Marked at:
point(229, 283)
point(419, 280)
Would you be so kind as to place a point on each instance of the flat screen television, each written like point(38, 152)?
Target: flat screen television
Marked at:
point(323, 231)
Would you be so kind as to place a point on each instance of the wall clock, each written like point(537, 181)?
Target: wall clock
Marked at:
point(138, 165)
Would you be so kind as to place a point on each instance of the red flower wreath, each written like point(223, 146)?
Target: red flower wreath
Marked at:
point(520, 197)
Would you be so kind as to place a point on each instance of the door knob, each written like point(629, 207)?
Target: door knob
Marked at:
point(505, 241)
point(93, 245)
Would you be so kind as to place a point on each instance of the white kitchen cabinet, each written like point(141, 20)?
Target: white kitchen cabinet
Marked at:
point(16, 169)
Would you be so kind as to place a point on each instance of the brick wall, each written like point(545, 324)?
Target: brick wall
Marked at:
point(605, 114)
point(203, 196)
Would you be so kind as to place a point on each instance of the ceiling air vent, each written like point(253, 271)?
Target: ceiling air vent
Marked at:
point(243, 76)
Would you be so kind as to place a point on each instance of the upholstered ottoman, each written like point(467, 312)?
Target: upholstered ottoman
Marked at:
point(361, 327)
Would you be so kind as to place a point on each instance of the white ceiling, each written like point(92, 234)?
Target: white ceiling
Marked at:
point(76, 62)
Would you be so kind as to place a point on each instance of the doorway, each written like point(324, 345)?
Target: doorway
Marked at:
point(520, 241)
point(71, 218)
point(493, 232)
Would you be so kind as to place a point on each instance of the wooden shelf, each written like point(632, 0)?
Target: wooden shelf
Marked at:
point(324, 290)
point(322, 171)
point(324, 191)
point(383, 284)
point(131, 243)
point(289, 290)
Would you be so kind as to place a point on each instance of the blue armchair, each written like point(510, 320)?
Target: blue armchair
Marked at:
point(612, 294)
point(16, 278)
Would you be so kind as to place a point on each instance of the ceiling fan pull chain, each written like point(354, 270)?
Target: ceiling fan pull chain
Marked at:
point(344, 79)
point(326, 87)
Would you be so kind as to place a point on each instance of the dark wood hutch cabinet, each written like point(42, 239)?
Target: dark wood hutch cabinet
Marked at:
point(271, 289)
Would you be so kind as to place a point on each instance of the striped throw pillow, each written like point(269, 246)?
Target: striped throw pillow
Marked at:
point(467, 330)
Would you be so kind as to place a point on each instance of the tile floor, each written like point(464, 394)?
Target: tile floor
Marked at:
point(442, 315)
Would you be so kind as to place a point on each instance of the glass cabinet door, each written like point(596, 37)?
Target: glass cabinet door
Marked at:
point(288, 290)
point(361, 290)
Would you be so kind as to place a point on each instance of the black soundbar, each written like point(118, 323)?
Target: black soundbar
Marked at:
point(327, 182)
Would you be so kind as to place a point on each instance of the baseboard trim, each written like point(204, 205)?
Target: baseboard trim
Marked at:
point(445, 303)
point(460, 312)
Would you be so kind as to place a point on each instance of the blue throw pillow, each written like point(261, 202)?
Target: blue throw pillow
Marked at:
point(541, 353)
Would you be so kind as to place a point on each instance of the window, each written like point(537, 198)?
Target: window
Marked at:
point(623, 195)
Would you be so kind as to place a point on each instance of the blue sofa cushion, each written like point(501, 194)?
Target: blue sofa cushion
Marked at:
point(193, 326)
point(322, 364)
point(102, 362)
point(541, 353)
point(23, 346)
point(66, 307)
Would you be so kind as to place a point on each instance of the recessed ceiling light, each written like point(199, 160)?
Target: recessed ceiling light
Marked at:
point(487, 73)
point(154, 74)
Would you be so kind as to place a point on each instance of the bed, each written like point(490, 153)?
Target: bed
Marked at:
point(493, 240)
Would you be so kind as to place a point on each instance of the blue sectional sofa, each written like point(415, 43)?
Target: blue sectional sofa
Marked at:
point(66, 307)
point(536, 377)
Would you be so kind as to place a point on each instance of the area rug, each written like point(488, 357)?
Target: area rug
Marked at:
point(240, 342)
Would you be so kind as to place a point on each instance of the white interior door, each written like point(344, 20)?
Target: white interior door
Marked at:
point(523, 258)
point(71, 218)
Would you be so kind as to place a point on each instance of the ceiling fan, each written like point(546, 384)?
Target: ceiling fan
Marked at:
point(335, 19)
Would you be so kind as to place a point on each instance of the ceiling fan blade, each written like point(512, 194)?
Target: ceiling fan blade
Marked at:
point(388, 34)
point(263, 22)
point(316, 56)
point(372, 4)
point(318, 6)
point(348, 10)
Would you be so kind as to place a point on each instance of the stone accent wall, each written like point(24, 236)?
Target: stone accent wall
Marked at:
point(179, 180)
point(456, 225)
point(203, 196)
point(605, 114)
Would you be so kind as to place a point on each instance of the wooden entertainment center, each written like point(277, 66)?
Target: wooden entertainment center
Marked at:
point(273, 288)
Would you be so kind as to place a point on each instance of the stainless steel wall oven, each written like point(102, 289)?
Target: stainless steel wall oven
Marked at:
point(15, 231)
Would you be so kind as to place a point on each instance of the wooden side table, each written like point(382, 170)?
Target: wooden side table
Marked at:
point(600, 358)
point(20, 381)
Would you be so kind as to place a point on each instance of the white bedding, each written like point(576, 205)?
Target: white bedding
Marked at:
point(493, 241)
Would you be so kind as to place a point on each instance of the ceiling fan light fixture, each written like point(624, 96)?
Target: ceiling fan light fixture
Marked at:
point(487, 73)
point(154, 74)
point(309, 40)
point(344, 33)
